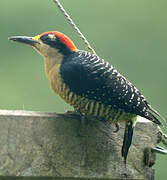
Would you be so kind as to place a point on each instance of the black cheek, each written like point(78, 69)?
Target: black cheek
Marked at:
point(56, 43)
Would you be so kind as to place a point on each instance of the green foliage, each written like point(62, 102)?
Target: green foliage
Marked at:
point(130, 34)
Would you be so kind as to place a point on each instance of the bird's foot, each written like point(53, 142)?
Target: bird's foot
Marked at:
point(69, 112)
point(82, 130)
point(163, 137)
point(117, 128)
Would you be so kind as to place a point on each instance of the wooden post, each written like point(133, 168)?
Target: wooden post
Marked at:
point(48, 144)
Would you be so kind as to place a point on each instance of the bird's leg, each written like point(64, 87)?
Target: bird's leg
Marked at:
point(69, 112)
point(163, 137)
point(82, 130)
point(117, 127)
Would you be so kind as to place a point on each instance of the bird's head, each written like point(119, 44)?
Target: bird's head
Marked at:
point(52, 45)
point(48, 43)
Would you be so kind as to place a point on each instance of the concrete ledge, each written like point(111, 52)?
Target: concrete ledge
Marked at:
point(48, 144)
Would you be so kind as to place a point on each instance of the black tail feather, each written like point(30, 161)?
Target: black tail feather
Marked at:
point(128, 134)
point(152, 118)
point(155, 112)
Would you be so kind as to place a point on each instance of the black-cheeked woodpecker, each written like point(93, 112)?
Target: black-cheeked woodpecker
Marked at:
point(90, 84)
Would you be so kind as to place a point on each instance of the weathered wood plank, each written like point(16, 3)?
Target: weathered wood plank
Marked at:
point(49, 144)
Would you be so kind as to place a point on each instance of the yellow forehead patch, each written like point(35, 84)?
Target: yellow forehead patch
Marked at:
point(36, 37)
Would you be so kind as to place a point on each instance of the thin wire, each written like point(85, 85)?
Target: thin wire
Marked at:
point(74, 25)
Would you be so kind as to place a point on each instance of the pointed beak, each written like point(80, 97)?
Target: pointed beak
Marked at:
point(24, 39)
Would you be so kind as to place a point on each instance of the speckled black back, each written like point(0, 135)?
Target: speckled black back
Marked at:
point(89, 76)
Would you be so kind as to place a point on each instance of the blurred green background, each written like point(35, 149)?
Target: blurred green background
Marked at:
point(131, 34)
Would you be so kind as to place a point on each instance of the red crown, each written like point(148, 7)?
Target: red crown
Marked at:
point(63, 38)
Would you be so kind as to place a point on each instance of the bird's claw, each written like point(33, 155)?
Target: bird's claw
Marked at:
point(82, 130)
point(163, 137)
point(117, 128)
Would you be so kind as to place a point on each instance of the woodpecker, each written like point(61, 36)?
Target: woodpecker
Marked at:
point(90, 84)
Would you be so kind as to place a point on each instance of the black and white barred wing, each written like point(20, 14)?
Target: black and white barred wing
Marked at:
point(90, 76)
